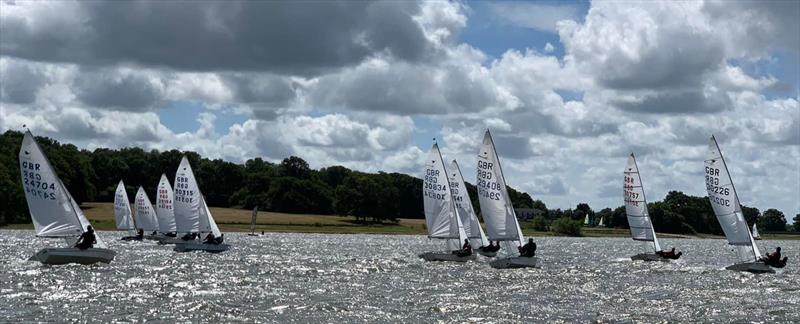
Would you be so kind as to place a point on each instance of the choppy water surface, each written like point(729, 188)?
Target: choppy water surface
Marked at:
point(377, 278)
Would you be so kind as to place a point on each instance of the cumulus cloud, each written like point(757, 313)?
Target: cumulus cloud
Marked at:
point(533, 15)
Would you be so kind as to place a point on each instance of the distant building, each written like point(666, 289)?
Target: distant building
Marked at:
point(524, 214)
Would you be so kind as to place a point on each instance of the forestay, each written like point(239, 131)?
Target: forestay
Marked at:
point(725, 203)
point(122, 209)
point(437, 199)
point(53, 211)
point(472, 227)
point(145, 214)
point(498, 212)
point(636, 205)
point(164, 206)
point(186, 199)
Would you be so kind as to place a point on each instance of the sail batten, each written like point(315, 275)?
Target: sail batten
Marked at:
point(639, 221)
point(725, 203)
point(498, 212)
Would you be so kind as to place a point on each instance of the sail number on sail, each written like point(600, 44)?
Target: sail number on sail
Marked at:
point(33, 184)
point(487, 187)
point(433, 189)
point(457, 198)
point(712, 185)
point(141, 208)
point(163, 199)
point(630, 195)
point(181, 194)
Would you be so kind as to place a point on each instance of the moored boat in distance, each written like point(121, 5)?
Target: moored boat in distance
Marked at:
point(725, 202)
point(498, 212)
point(756, 236)
point(441, 216)
point(54, 212)
point(253, 222)
point(639, 221)
point(192, 214)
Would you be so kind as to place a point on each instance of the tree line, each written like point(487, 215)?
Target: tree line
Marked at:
point(291, 186)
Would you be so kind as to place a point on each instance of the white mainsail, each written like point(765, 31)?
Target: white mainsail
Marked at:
point(187, 199)
point(53, 211)
point(463, 204)
point(145, 214)
point(208, 225)
point(498, 212)
point(755, 232)
point(586, 220)
point(253, 220)
point(164, 206)
point(636, 206)
point(725, 203)
point(602, 222)
point(440, 214)
point(122, 209)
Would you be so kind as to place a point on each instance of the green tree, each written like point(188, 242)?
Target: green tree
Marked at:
point(539, 223)
point(797, 223)
point(772, 220)
point(566, 226)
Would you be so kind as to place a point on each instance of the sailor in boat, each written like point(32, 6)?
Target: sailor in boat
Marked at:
point(774, 259)
point(495, 247)
point(670, 254)
point(154, 233)
point(465, 251)
point(528, 250)
point(210, 239)
point(220, 239)
point(171, 234)
point(139, 234)
point(87, 239)
point(189, 236)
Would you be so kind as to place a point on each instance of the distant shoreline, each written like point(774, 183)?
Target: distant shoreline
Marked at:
point(238, 220)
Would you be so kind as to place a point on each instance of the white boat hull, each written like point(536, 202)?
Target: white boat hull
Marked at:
point(487, 253)
point(752, 267)
point(212, 248)
point(442, 256)
point(648, 257)
point(174, 240)
point(56, 256)
point(514, 263)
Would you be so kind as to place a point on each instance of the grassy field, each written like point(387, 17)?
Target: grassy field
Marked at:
point(238, 220)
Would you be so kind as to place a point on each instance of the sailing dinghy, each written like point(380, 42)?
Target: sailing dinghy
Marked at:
point(725, 203)
point(53, 211)
point(146, 218)
point(756, 236)
point(472, 226)
point(164, 212)
point(639, 221)
point(441, 216)
point(498, 212)
point(253, 222)
point(191, 206)
point(123, 214)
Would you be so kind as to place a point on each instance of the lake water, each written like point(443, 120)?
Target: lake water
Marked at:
point(379, 278)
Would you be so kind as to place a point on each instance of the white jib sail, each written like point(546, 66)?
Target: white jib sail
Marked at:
point(725, 203)
point(164, 206)
point(437, 199)
point(81, 217)
point(209, 225)
point(498, 212)
point(52, 209)
point(755, 232)
point(122, 209)
point(636, 205)
point(466, 213)
point(145, 214)
point(187, 199)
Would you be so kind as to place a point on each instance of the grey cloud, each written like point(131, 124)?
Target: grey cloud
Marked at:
point(111, 90)
point(295, 37)
point(677, 101)
point(20, 82)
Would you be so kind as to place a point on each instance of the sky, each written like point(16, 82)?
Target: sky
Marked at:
point(568, 89)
